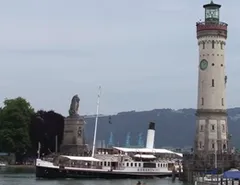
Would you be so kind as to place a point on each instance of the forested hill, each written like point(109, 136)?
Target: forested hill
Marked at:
point(173, 127)
point(22, 128)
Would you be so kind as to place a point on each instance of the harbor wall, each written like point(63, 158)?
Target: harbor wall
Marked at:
point(196, 165)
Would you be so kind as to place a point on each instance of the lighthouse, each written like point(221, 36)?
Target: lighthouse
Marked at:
point(211, 114)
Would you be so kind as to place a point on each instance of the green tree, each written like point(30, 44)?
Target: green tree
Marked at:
point(15, 118)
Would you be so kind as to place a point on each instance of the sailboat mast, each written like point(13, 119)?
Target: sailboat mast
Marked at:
point(96, 122)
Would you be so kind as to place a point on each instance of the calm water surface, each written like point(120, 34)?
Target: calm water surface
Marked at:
point(21, 178)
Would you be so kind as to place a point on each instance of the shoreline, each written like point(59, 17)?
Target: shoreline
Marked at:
point(20, 166)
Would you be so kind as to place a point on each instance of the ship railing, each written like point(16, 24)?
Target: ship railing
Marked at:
point(79, 164)
point(85, 166)
point(120, 168)
point(49, 159)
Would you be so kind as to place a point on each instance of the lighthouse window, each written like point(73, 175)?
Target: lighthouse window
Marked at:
point(203, 45)
point(202, 101)
point(213, 128)
point(213, 146)
point(201, 128)
point(212, 82)
point(213, 44)
point(224, 146)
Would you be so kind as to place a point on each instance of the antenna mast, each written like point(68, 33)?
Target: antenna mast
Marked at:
point(96, 122)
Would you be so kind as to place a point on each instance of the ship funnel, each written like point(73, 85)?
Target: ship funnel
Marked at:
point(150, 135)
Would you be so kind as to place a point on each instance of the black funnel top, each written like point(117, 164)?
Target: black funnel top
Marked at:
point(151, 126)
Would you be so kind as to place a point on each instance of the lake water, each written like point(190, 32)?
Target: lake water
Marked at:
point(22, 177)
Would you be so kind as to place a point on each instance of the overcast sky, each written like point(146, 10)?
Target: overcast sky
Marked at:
point(144, 53)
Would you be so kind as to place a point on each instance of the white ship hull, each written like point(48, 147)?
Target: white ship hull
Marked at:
point(46, 169)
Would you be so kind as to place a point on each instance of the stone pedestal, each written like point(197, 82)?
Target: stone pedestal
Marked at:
point(73, 136)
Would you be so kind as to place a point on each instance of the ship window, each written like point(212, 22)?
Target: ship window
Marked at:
point(139, 164)
point(221, 45)
point(127, 164)
point(200, 144)
point(213, 44)
point(203, 45)
point(108, 163)
point(149, 165)
point(131, 164)
point(222, 102)
point(161, 164)
point(105, 163)
point(212, 82)
point(223, 128)
point(135, 164)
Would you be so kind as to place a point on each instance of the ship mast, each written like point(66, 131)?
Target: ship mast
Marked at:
point(96, 122)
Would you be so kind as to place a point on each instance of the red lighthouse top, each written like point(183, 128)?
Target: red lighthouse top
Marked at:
point(212, 21)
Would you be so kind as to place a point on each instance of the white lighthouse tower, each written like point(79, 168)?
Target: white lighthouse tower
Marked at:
point(211, 127)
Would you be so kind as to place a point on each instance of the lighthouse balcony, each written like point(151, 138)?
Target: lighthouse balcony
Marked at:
point(211, 29)
point(211, 26)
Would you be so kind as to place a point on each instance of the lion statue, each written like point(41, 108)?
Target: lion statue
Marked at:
point(74, 106)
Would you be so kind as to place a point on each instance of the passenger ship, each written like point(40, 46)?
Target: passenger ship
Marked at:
point(113, 163)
